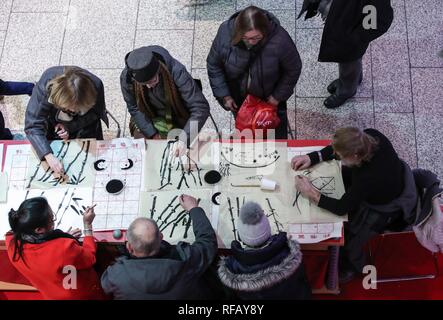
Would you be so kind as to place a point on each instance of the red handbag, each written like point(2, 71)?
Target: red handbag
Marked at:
point(255, 114)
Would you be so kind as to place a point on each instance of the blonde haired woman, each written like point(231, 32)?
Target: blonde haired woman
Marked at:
point(379, 190)
point(67, 103)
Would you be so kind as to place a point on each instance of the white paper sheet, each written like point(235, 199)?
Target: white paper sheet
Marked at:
point(119, 159)
point(77, 157)
point(173, 221)
point(68, 205)
point(1, 156)
point(16, 164)
point(4, 186)
point(315, 232)
point(164, 171)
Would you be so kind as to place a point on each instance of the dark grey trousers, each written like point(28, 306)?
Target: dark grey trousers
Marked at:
point(352, 254)
point(350, 76)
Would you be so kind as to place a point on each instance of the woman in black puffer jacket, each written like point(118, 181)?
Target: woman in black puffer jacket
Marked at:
point(253, 54)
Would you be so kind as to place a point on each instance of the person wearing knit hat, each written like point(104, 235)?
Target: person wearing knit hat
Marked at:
point(268, 267)
point(253, 226)
point(161, 95)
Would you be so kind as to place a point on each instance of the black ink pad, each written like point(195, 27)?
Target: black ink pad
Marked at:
point(212, 177)
point(114, 186)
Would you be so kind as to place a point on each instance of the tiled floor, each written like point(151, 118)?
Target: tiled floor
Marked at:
point(402, 92)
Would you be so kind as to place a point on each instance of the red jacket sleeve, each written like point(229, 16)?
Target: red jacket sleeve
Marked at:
point(81, 257)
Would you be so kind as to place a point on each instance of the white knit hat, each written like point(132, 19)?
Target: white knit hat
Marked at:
point(253, 225)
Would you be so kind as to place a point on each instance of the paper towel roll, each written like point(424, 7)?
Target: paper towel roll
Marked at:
point(267, 184)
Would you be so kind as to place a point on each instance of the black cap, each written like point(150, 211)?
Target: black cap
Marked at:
point(142, 64)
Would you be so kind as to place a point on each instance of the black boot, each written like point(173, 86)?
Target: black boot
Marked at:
point(334, 84)
point(334, 101)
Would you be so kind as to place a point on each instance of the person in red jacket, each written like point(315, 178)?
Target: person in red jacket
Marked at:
point(53, 261)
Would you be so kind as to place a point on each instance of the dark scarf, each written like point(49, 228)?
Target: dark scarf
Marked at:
point(51, 235)
point(180, 114)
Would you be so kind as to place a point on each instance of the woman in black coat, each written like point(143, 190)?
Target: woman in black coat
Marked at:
point(350, 26)
point(378, 192)
point(253, 54)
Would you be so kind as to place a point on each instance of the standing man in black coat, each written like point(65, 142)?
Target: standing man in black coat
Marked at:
point(253, 54)
point(349, 28)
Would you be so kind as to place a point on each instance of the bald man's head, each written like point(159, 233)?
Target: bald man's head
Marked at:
point(144, 237)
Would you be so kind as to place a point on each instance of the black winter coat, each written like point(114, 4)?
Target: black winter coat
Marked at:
point(274, 272)
point(275, 64)
point(344, 38)
point(192, 96)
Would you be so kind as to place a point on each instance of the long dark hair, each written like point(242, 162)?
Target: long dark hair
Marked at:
point(33, 213)
point(249, 19)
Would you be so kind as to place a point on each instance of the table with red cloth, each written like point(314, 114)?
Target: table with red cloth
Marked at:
point(320, 259)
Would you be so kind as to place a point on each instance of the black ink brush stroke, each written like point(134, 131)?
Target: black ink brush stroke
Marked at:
point(274, 214)
point(175, 222)
point(250, 167)
point(88, 144)
point(234, 230)
point(159, 218)
point(62, 157)
point(169, 215)
point(153, 207)
point(188, 225)
point(49, 168)
point(66, 208)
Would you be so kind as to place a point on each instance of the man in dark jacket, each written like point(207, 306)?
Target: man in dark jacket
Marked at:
point(157, 270)
point(346, 38)
point(265, 64)
point(161, 95)
point(269, 266)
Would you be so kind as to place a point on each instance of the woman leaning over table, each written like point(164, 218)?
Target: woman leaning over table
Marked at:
point(67, 103)
point(380, 190)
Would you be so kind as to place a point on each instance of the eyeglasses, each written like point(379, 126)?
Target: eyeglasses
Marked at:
point(69, 112)
point(256, 38)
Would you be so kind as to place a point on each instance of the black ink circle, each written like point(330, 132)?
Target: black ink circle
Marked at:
point(114, 186)
point(99, 165)
point(215, 198)
point(127, 165)
point(212, 177)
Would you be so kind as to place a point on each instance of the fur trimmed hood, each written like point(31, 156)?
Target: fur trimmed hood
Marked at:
point(264, 278)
